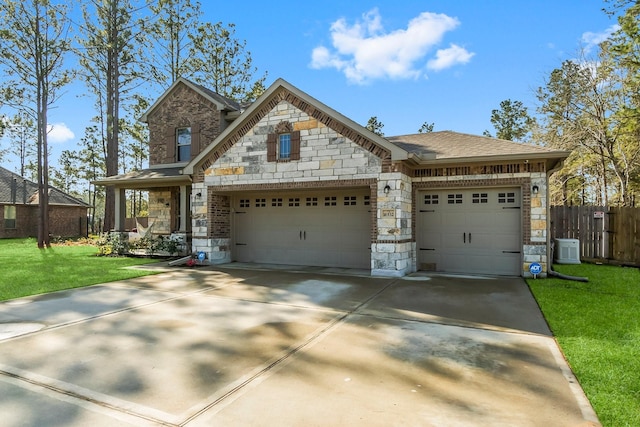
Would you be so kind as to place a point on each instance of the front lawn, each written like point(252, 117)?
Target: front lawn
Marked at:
point(597, 325)
point(27, 270)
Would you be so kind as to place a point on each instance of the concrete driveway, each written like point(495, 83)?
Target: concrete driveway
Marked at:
point(252, 347)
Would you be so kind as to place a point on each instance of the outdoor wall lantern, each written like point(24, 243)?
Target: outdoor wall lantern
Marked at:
point(387, 189)
point(535, 189)
point(198, 195)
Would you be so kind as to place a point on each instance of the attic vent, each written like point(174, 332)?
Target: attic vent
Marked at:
point(284, 127)
point(480, 170)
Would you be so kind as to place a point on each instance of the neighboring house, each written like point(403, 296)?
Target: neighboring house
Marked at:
point(292, 181)
point(19, 209)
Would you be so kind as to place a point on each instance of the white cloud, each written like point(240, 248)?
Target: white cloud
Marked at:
point(59, 132)
point(446, 58)
point(591, 40)
point(364, 51)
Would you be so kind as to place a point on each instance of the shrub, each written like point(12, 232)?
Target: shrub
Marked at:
point(112, 244)
point(116, 244)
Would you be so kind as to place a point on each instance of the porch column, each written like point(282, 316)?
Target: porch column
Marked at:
point(121, 209)
point(184, 209)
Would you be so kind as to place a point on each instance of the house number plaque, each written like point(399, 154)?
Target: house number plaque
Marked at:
point(388, 213)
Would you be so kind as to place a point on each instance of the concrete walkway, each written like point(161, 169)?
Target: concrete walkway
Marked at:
point(264, 347)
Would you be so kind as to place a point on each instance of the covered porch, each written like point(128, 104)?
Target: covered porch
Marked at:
point(169, 202)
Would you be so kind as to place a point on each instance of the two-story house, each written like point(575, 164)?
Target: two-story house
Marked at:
point(291, 181)
point(182, 122)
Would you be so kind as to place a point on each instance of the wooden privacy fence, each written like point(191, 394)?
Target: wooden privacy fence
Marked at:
point(605, 233)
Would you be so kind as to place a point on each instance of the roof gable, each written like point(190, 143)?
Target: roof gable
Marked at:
point(281, 90)
point(219, 101)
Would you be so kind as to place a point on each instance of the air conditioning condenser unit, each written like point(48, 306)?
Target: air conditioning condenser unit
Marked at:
point(567, 251)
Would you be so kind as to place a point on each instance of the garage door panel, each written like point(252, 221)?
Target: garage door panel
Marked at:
point(428, 259)
point(470, 231)
point(481, 220)
point(330, 228)
point(452, 240)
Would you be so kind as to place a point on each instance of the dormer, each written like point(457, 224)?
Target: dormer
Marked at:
point(184, 120)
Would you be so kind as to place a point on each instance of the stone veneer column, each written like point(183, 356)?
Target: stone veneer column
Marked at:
point(536, 251)
point(211, 224)
point(392, 254)
point(159, 212)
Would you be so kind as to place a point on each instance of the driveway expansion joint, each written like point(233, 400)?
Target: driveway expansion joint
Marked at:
point(292, 351)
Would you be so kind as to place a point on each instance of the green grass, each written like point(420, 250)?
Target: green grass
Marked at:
point(597, 325)
point(26, 270)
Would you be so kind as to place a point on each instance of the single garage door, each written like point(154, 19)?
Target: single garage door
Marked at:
point(470, 231)
point(323, 228)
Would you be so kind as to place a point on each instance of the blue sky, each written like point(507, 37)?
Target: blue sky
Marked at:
point(407, 62)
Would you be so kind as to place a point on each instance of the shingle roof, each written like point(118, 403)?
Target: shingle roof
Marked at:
point(25, 191)
point(454, 145)
point(230, 103)
point(224, 103)
point(147, 178)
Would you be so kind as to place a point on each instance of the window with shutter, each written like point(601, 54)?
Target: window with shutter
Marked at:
point(170, 145)
point(271, 147)
point(295, 145)
point(195, 140)
point(284, 144)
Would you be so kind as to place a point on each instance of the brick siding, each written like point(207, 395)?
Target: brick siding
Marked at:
point(183, 107)
point(64, 221)
point(219, 216)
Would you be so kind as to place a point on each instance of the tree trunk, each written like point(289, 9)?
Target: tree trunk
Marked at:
point(112, 141)
point(45, 176)
point(41, 113)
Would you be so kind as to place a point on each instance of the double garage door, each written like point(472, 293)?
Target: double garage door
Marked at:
point(470, 231)
point(330, 228)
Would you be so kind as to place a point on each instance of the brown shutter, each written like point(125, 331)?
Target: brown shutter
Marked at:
point(170, 144)
point(195, 140)
point(271, 147)
point(295, 145)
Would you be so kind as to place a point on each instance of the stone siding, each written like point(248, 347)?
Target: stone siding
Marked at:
point(324, 155)
point(393, 251)
point(159, 212)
